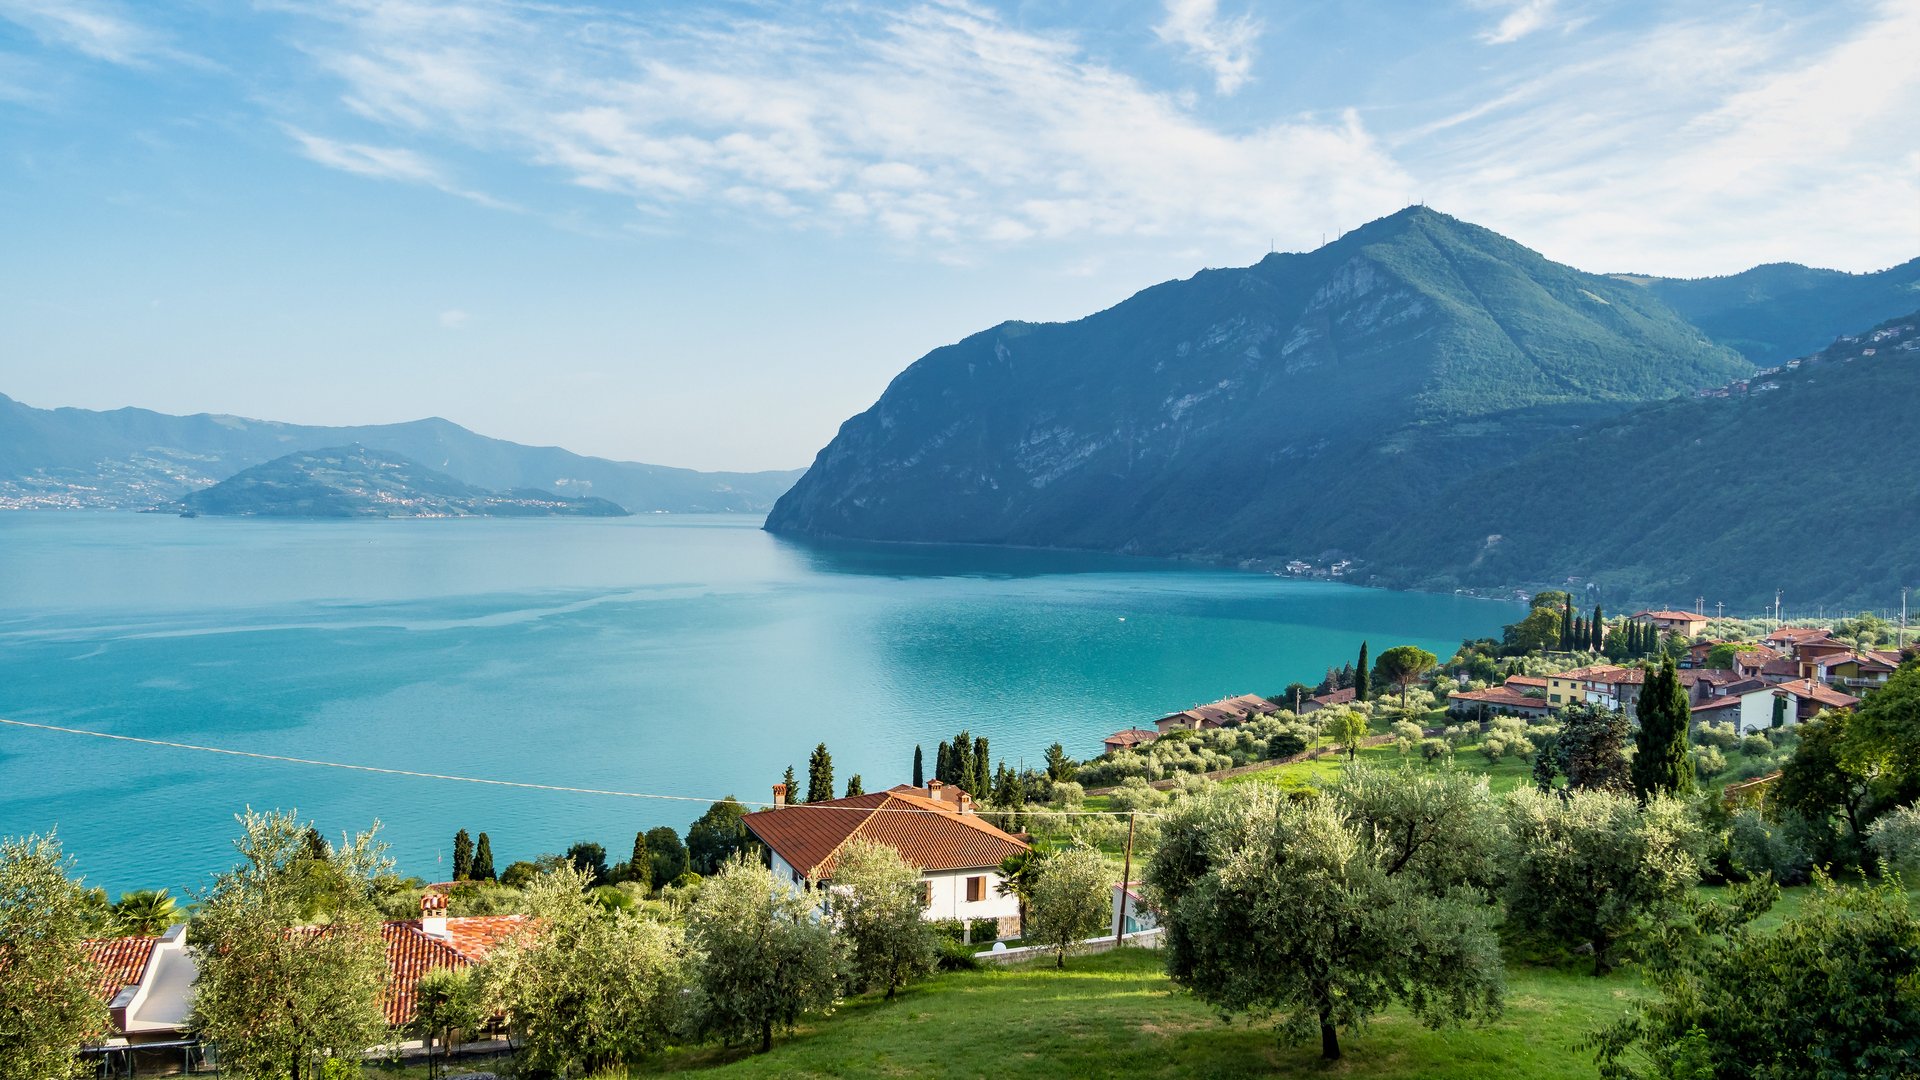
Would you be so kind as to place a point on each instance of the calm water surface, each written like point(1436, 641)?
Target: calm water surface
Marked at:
point(682, 655)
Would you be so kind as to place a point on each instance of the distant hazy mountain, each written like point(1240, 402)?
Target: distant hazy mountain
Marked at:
point(1799, 481)
point(1297, 407)
point(131, 458)
point(353, 481)
point(1779, 311)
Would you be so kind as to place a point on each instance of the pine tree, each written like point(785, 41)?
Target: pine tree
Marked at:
point(462, 856)
point(1664, 761)
point(820, 775)
point(483, 859)
point(854, 786)
point(1362, 677)
point(640, 863)
point(793, 786)
point(919, 769)
point(960, 772)
point(1597, 630)
point(943, 764)
point(982, 769)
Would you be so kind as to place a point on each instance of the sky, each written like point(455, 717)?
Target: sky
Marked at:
point(705, 234)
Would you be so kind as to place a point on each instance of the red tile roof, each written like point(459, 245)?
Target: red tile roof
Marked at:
point(1334, 697)
point(1535, 681)
point(931, 834)
point(1718, 703)
point(1788, 634)
point(1820, 693)
point(122, 963)
point(1131, 737)
point(1226, 711)
point(1671, 616)
point(412, 952)
point(1498, 695)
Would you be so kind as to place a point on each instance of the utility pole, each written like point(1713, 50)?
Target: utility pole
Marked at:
point(1699, 605)
point(1776, 605)
point(1719, 609)
point(1126, 875)
point(1903, 618)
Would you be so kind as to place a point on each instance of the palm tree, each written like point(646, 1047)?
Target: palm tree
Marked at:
point(145, 912)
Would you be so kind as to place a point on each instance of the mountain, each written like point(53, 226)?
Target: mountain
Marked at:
point(1778, 311)
point(353, 481)
point(1797, 479)
point(131, 458)
point(1296, 407)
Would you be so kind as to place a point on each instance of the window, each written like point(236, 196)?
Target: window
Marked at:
point(976, 889)
point(926, 895)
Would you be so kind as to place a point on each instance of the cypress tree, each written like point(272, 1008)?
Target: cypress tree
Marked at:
point(943, 762)
point(982, 770)
point(960, 772)
point(854, 786)
point(1597, 629)
point(1664, 761)
point(640, 864)
point(793, 786)
point(820, 775)
point(1362, 677)
point(462, 856)
point(1579, 639)
point(919, 770)
point(483, 859)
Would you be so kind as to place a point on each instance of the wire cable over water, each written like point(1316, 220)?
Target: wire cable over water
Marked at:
point(565, 789)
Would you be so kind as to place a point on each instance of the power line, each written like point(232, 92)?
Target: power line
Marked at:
point(522, 784)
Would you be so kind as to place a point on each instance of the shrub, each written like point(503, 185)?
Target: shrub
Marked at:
point(1757, 846)
point(954, 956)
point(1895, 839)
point(983, 931)
point(1709, 762)
point(1756, 746)
point(1407, 735)
point(1135, 794)
point(1721, 736)
point(1066, 794)
point(519, 875)
point(1436, 749)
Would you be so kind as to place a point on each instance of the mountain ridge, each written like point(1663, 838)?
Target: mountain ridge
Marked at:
point(354, 481)
point(131, 457)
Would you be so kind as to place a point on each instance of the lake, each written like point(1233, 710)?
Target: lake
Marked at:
point(693, 656)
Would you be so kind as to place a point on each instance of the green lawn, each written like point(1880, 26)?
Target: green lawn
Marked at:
point(1116, 1014)
point(1509, 774)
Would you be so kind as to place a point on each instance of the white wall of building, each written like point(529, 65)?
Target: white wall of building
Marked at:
point(947, 889)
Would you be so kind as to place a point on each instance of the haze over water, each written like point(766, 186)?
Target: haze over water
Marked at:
point(691, 656)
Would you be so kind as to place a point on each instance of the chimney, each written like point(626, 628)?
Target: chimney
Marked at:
point(933, 790)
point(779, 795)
point(433, 914)
point(966, 803)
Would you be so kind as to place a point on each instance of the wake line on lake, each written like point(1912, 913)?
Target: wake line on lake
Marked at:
point(521, 784)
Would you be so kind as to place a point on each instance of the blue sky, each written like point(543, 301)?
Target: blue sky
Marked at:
point(704, 235)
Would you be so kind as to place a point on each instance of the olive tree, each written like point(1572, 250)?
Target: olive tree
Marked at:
point(1833, 992)
point(764, 958)
point(1593, 866)
point(446, 1000)
point(875, 899)
point(586, 988)
point(1295, 909)
point(1348, 727)
point(1441, 827)
point(291, 964)
point(1070, 899)
point(47, 1003)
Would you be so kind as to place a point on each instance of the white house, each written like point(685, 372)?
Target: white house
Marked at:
point(933, 828)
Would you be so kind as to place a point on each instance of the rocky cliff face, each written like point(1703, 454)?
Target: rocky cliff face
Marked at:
point(1279, 409)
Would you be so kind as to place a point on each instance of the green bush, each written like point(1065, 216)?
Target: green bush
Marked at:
point(1756, 746)
point(955, 956)
point(984, 931)
point(1895, 839)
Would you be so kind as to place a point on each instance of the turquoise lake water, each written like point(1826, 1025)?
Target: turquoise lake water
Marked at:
point(681, 655)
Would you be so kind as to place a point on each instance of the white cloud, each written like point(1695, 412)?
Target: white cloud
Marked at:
point(1700, 146)
point(384, 163)
point(1521, 17)
point(454, 318)
point(937, 124)
point(97, 28)
point(1224, 46)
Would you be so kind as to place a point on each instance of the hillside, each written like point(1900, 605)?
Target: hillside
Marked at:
point(1294, 407)
point(133, 458)
point(1797, 479)
point(353, 481)
point(1779, 311)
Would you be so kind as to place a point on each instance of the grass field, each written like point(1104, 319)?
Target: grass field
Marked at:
point(1510, 773)
point(1116, 1014)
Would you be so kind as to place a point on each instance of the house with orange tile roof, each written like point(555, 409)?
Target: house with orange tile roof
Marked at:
point(1223, 713)
point(1128, 739)
point(1495, 701)
point(147, 982)
point(933, 828)
point(1684, 623)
